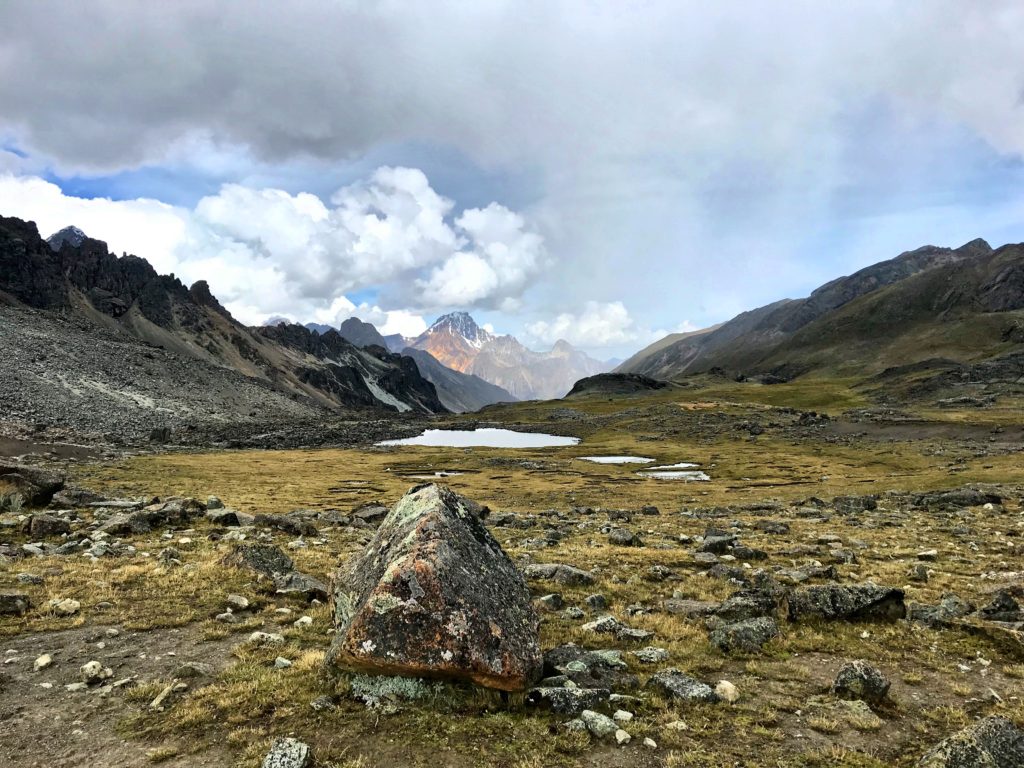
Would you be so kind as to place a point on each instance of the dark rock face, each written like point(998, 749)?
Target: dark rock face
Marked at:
point(858, 602)
point(746, 636)
point(434, 595)
point(994, 742)
point(679, 687)
point(860, 680)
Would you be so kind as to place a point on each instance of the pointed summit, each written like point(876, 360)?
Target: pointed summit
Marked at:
point(461, 324)
point(71, 235)
point(455, 339)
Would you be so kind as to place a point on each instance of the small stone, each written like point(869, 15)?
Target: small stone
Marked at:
point(93, 672)
point(63, 607)
point(237, 602)
point(918, 572)
point(227, 617)
point(158, 702)
point(194, 669)
point(650, 743)
point(75, 687)
point(622, 716)
point(43, 662)
point(552, 602)
point(928, 555)
point(650, 655)
point(282, 663)
point(212, 502)
point(600, 726)
point(265, 638)
point(287, 753)
point(727, 691)
point(596, 602)
point(621, 737)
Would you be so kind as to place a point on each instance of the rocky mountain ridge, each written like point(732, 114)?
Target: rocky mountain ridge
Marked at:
point(959, 305)
point(78, 294)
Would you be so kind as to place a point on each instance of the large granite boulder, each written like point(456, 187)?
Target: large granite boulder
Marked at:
point(434, 595)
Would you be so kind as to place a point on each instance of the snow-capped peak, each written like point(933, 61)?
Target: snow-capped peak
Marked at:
point(463, 325)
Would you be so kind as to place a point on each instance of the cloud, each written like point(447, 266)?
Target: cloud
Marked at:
point(687, 159)
point(269, 252)
point(597, 325)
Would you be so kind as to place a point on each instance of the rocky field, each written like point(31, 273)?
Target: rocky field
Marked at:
point(845, 589)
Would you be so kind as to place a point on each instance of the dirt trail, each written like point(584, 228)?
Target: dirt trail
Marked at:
point(52, 727)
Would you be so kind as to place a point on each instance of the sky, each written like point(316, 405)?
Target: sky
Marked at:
point(602, 172)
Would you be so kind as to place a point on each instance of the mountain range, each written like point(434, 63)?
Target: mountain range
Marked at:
point(66, 294)
point(458, 391)
point(925, 311)
point(459, 343)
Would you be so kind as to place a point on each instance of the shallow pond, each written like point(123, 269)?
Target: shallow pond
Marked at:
point(484, 438)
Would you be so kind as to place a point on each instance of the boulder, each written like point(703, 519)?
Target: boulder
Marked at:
point(993, 742)
point(860, 680)
point(264, 559)
point(301, 585)
point(567, 575)
point(857, 602)
point(434, 595)
point(45, 526)
point(678, 687)
point(950, 608)
point(747, 636)
point(623, 537)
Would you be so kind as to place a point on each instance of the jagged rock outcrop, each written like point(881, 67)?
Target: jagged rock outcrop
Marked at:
point(434, 595)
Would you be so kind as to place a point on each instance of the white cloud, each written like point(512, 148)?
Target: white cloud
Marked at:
point(503, 258)
point(268, 252)
point(147, 228)
point(599, 325)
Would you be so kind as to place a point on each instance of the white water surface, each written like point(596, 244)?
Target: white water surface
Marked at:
point(484, 438)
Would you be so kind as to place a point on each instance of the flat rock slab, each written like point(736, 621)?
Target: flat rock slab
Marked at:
point(434, 595)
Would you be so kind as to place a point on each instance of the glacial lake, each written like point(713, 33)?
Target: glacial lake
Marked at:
point(484, 438)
